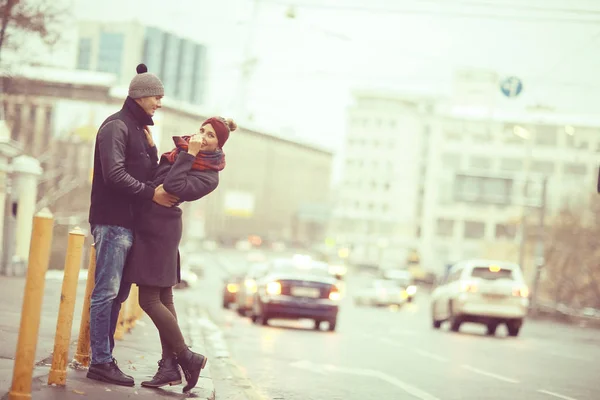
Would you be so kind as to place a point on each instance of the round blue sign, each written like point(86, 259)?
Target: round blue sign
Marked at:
point(511, 86)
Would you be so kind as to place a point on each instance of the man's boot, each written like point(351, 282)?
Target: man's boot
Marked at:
point(110, 373)
point(191, 363)
point(167, 374)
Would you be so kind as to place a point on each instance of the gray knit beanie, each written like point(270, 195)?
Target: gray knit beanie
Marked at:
point(145, 84)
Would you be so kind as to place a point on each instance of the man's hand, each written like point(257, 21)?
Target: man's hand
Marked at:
point(163, 198)
point(149, 136)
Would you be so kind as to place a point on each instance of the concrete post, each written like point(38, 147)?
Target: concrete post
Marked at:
point(26, 174)
point(8, 150)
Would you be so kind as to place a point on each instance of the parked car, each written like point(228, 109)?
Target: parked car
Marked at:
point(381, 292)
point(297, 288)
point(245, 295)
point(230, 289)
point(404, 279)
point(481, 291)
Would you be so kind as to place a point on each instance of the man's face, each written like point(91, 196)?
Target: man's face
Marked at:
point(150, 104)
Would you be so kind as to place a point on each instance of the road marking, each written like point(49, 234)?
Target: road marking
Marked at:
point(489, 374)
point(325, 368)
point(558, 396)
point(569, 356)
point(430, 355)
point(419, 352)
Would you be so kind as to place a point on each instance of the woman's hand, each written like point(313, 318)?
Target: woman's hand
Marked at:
point(149, 136)
point(195, 145)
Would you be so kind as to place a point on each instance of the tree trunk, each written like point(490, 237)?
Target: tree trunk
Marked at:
point(5, 20)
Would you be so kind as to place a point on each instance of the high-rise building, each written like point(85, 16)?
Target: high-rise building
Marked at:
point(117, 48)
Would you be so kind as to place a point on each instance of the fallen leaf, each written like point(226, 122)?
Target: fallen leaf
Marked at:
point(78, 392)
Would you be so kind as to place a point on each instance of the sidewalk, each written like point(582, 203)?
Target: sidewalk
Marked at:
point(137, 353)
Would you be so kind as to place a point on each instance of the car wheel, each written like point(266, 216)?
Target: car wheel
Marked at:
point(513, 328)
point(455, 321)
point(332, 324)
point(264, 319)
point(491, 328)
point(434, 322)
point(253, 318)
point(241, 312)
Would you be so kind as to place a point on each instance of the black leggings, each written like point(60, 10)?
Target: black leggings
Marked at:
point(157, 302)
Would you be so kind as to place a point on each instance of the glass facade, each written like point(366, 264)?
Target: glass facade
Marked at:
point(110, 54)
point(180, 63)
point(84, 54)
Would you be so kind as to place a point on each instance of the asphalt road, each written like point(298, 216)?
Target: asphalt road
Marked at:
point(392, 353)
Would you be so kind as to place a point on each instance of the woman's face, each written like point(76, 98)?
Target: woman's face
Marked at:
point(209, 138)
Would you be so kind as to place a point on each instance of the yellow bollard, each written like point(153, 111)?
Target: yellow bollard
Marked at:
point(39, 257)
point(120, 331)
point(82, 356)
point(62, 339)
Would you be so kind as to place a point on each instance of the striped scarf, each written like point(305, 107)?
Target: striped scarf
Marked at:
point(205, 160)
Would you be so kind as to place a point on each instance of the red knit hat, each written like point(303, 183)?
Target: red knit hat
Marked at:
point(222, 128)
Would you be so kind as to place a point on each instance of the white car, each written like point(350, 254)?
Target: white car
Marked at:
point(482, 291)
point(381, 292)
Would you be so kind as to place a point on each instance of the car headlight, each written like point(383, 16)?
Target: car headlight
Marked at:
point(334, 294)
point(411, 290)
point(274, 288)
point(250, 285)
point(233, 287)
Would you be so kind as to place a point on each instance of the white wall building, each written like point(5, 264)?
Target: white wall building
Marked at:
point(380, 196)
point(447, 178)
point(480, 165)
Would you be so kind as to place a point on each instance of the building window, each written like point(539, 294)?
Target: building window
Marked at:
point(575, 169)
point(546, 135)
point(508, 135)
point(450, 160)
point(505, 231)
point(444, 227)
point(511, 164)
point(110, 54)
point(84, 53)
point(481, 189)
point(474, 230)
point(544, 167)
point(480, 163)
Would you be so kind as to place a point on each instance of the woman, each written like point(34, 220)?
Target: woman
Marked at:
point(189, 172)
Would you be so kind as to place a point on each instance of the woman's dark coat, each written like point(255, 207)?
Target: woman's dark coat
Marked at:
point(154, 257)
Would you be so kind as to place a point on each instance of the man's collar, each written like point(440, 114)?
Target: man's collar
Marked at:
point(138, 112)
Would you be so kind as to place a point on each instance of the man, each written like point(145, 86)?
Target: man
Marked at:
point(124, 159)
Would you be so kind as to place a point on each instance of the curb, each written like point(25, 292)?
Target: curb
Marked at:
point(196, 341)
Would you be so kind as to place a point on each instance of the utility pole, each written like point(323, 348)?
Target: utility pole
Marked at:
point(540, 246)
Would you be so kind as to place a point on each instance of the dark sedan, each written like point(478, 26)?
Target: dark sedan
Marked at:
point(297, 289)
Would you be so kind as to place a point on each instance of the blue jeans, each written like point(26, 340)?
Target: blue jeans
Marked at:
point(112, 245)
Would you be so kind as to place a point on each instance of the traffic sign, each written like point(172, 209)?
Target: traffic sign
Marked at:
point(511, 86)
